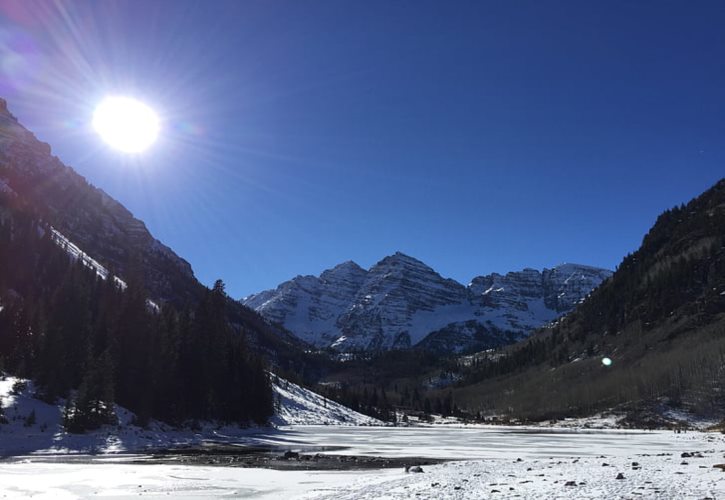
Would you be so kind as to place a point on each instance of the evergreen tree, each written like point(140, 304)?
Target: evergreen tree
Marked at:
point(92, 405)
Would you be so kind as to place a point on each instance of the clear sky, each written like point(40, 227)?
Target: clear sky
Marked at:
point(476, 136)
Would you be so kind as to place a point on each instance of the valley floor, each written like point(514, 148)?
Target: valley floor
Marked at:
point(510, 463)
point(348, 458)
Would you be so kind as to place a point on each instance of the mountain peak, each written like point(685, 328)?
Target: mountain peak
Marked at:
point(348, 265)
point(399, 258)
point(573, 266)
point(344, 271)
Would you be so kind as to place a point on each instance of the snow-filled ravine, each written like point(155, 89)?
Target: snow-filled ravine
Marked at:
point(510, 462)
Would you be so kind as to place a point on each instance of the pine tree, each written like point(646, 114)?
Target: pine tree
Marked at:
point(92, 405)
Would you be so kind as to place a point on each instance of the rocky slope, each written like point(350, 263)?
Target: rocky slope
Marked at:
point(87, 215)
point(401, 302)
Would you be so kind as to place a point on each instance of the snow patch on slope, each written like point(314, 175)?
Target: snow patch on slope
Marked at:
point(76, 253)
point(295, 405)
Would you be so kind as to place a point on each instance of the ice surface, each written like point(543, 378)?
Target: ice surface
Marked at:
point(484, 441)
point(70, 481)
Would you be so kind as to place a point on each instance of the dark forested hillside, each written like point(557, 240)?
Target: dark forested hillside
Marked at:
point(68, 329)
point(660, 318)
point(48, 190)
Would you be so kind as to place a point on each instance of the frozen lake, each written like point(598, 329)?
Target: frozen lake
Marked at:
point(470, 442)
point(495, 449)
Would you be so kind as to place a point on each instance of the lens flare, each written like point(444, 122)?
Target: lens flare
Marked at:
point(126, 124)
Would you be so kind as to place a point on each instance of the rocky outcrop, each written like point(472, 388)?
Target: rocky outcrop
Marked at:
point(309, 305)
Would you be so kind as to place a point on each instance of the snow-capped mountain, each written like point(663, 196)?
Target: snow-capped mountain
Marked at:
point(309, 306)
point(400, 302)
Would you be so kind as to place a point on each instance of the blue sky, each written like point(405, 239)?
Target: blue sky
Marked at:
point(475, 136)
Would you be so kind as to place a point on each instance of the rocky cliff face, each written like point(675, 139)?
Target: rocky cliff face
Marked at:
point(515, 304)
point(398, 304)
point(401, 302)
point(90, 218)
point(557, 290)
point(309, 305)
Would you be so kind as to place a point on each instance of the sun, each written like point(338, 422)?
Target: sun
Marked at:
point(126, 124)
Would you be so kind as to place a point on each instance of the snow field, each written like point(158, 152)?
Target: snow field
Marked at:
point(665, 477)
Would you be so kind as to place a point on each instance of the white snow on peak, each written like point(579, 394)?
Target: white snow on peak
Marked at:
point(400, 301)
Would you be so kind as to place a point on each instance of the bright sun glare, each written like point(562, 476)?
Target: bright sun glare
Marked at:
point(126, 124)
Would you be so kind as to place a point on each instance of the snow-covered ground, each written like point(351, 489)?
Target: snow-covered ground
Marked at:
point(45, 435)
point(489, 461)
point(552, 465)
point(665, 477)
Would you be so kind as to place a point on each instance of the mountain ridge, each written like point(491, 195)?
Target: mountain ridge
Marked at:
point(400, 300)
